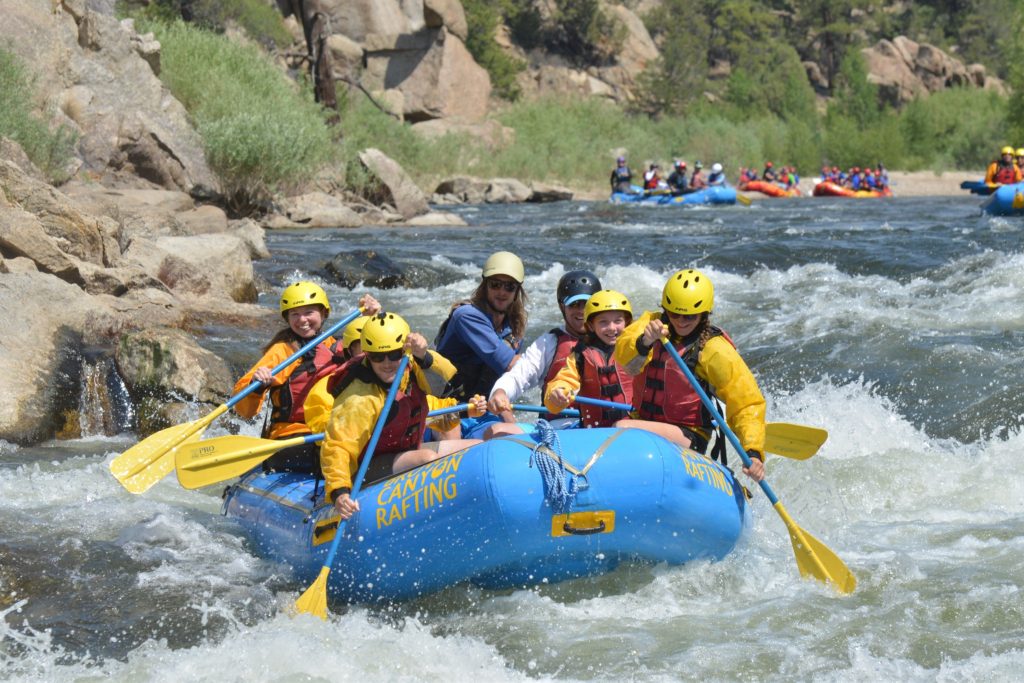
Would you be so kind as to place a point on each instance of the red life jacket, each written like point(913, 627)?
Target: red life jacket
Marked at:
point(1005, 175)
point(287, 399)
point(407, 419)
point(564, 346)
point(601, 377)
point(662, 392)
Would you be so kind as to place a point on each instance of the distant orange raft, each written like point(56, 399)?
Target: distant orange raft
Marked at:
point(830, 189)
point(769, 188)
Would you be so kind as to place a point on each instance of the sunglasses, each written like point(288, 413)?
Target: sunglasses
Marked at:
point(684, 316)
point(502, 284)
point(381, 356)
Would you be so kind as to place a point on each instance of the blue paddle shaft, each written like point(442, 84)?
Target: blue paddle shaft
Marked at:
point(370, 447)
point(602, 403)
point(710, 405)
point(541, 409)
point(295, 356)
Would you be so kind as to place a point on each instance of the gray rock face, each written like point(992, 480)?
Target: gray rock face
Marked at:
point(371, 268)
point(168, 363)
point(395, 185)
point(97, 74)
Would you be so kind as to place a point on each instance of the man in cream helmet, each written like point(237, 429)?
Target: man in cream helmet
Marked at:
point(483, 335)
point(717, 175)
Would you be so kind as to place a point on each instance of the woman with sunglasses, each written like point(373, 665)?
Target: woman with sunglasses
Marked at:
point(361, 393)
point(664, 402)
point(305, 308)
point(482, 337)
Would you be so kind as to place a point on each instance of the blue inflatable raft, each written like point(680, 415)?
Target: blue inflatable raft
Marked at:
point(718, 194)
point(1007, 200)
point(502, 514)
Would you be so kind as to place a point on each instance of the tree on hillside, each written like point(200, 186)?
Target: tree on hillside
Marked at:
point(828, 30)
point(677, 79)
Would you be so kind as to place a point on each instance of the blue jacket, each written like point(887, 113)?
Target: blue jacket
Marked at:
point(479, 352)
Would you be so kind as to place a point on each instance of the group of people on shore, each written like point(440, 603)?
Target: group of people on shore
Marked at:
point(1007, 169)
point(601, 350)
point(680, 181)
point(857, 178)
point(786, 176)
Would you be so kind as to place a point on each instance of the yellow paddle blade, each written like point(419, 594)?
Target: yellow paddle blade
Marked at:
point(314, 600)
point(152, 459)
point(798, 442)
point(202, 463)
point(814, 558)
point(743, 199)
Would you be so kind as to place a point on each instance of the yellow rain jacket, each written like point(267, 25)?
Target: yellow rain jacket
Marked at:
point(351, 423)
point(722, 367)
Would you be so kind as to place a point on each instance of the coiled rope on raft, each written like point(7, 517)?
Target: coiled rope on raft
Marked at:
point(560, 485)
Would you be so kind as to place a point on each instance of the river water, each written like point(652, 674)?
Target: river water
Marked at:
point(897, 325)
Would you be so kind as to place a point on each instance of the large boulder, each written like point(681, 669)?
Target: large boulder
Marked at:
point(904, 70)
point(98, 73)
point(213, 266)
point(46, 323)
point(393, 184)
point(432, 69)
point(367, 267)
point(167, 362)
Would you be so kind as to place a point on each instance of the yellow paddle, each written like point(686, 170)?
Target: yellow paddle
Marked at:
point(150, 460)
point(813, 558)
point(314, 600)
point(798, 442)
point(203, 463)
point(743, 199)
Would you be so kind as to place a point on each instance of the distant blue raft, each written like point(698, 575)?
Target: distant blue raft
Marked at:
point(495, 515)
point(718, 194)
point(1007, 200)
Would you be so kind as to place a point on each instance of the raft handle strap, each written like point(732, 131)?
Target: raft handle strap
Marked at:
point(583, 532)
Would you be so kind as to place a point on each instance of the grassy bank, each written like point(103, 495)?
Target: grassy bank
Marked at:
point(49, 147)
point(263, 134)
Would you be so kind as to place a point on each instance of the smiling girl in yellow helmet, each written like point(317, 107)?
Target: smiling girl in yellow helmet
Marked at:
point(663, 399)
point(360, 395)
point(304, 307)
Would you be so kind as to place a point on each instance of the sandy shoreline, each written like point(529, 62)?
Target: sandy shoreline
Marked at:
point(904, 184)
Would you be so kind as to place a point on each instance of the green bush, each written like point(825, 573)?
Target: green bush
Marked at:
point(49, 148)
point(259, 130)
point(260, 20)
point(482, 19)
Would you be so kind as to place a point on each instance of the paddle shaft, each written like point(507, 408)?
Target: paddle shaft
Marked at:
point(370, 447)
point(295, 356)
point(710, 405)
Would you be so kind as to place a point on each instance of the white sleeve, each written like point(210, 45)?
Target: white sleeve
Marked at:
point(530, 369)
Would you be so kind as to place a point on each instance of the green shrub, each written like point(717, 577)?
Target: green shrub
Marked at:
point(49, 148)
point(259, 130)
point(482, 19)
point(260, 20)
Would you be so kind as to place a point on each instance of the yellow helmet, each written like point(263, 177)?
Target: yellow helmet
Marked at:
point(353, 331)
point(607, 300)
point(688, 292)
point(303, 294)
point(384, 332)
point(1007, 150)
point(1019, 152)
point(505, 263)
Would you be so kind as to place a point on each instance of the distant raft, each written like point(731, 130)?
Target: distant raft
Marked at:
point(770, 189)
point(826, 188)
point(502, 514)
point(717, 194)
point(1006, 200)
